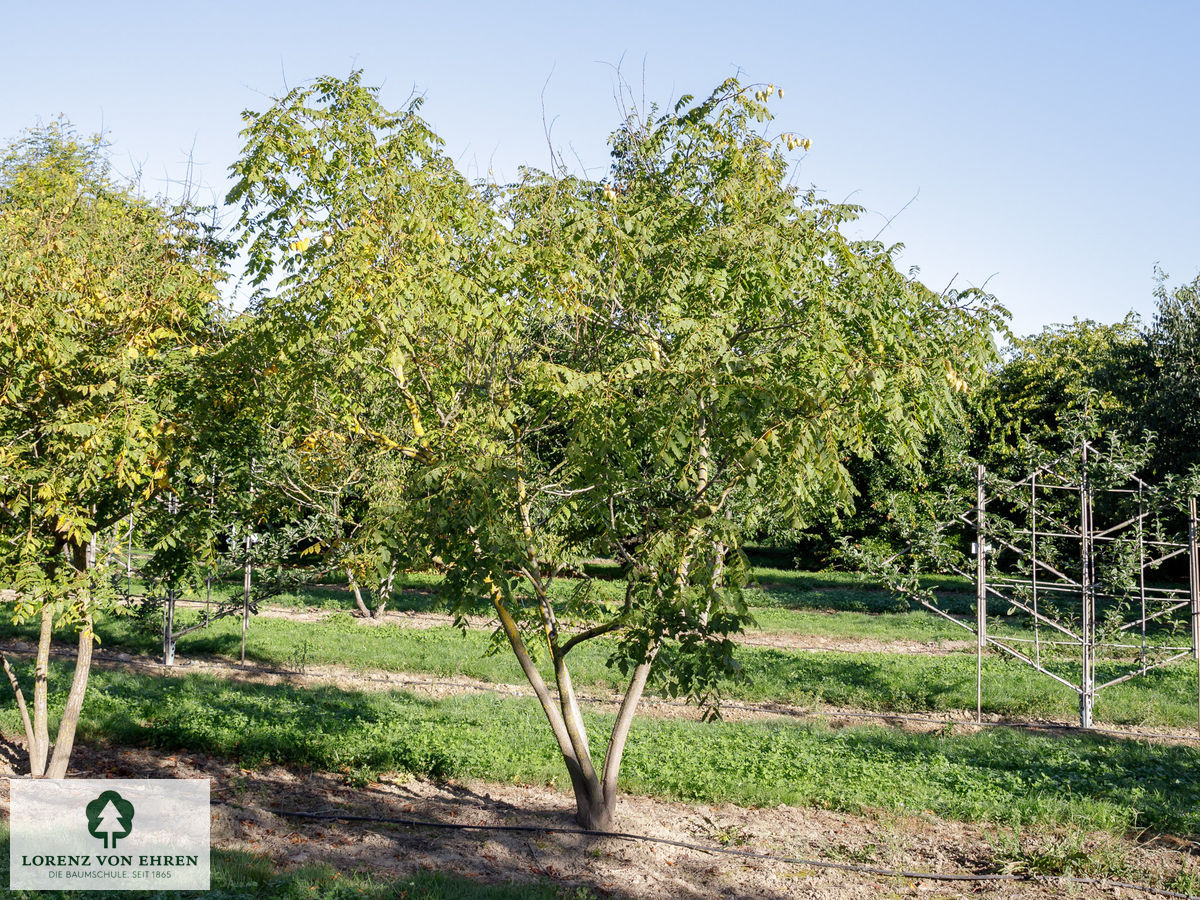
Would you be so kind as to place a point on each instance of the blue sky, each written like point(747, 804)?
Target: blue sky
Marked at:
point(1051, 147)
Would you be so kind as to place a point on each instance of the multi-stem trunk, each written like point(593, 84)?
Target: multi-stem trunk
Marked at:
point(595, 792)
point(64, 742)
point(37, 728)
point(385, 592)
point(358, 597)
point(39, 749)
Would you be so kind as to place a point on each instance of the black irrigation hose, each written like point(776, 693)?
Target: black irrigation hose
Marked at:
point(743, 854)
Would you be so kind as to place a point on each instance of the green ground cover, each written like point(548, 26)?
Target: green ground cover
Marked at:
point(884, 682)
point(999, 775)
point(840, 605)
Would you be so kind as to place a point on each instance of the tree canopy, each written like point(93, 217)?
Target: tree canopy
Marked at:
point(106, 294)
point(567, 368)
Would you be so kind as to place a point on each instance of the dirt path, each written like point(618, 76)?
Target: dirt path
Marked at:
point(247, 815)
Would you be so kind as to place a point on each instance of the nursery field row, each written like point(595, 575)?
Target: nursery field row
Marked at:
point(996, 775)
point(825, 604)
point(1023, 788)
point(875, 681)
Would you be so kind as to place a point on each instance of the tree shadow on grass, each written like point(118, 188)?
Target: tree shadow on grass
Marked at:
point(894, 682)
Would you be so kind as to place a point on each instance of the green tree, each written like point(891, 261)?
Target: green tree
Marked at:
point(378, 292)
point(224, 509)
point(574, 368)
point(103, 292)
point(1174, 348)
point(701, 350)
point(1083, 378)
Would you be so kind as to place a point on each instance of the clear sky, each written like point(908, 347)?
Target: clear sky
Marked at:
point(1053, 149)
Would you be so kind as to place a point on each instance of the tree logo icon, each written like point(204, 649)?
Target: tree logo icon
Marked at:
point(110, 816)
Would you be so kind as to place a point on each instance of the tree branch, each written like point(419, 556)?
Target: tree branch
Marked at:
point(588, 634)
point(16, 686)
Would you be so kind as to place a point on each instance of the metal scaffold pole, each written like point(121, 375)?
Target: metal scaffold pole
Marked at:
point(980, 590)
point(1073, 543)
point(1194, 591)
point(246, 575)
point(1087, 679)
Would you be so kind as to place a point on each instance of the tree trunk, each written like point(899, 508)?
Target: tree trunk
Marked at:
point(358, 597)
point(16, 686)
point(39, 750)
point(169, 629)
point(385, 593)
point(588, 798)
point(595, 810)
point(65, 740)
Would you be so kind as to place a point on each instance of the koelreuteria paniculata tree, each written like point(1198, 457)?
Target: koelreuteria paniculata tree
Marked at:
point(702, 349)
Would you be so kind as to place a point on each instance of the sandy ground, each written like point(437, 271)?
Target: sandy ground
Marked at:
point(248, 814)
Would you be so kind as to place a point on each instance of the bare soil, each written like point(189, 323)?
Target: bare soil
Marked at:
point(249, 814)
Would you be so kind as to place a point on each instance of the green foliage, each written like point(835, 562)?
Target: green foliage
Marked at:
point(1085, 379)
point(1071, 854)
point(379, 309)
point(1174, 348)
point(106, 295)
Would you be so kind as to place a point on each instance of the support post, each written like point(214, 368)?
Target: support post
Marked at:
point(169, 628)
point(1087, 678)
point(980, 590)
point(246, 577)
point(169, 600)
point(1141, 540)
point(129, 559)
point(1194, 590)
point(246, 599)
point(208, 575)
point(1033, 569)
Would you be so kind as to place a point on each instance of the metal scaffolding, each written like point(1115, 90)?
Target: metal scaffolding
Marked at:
point(1075, 553)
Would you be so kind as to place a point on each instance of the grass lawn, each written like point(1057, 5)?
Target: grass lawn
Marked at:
point(825, 604)
point(998, 775)
point(885, 682)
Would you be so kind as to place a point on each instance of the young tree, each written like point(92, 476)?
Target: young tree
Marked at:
point(103, 291)
point(1055, 380)
point(381, 317)
point(695, 334)
point(581, 368)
